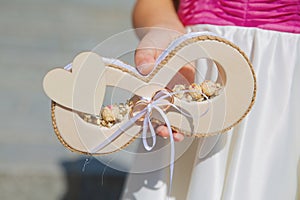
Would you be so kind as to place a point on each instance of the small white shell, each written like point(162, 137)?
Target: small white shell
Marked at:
point(107, 114)
point(188, 98)
point(178, 88)
point(197, 95)
point(210, 88)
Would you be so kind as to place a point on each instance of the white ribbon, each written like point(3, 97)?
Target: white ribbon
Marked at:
point(147, 124)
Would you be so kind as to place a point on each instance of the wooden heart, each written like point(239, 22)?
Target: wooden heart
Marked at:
point(83, 89)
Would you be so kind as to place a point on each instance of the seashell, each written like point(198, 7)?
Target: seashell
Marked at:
point(188, 98)
point(115, 111)
point(109, 124)
point(123, 109)
point(197, 95)
point(210, 88)
point(107, 114)
point(103, 123)
point(98, 121)
point(178, 88)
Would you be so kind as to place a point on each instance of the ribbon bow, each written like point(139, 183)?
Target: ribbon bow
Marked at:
point(161, 101)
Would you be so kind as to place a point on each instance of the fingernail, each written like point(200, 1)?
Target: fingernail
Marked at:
point(141, 68)
point(144, 68)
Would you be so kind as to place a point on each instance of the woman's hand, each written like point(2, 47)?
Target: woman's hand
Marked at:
point(158, 13)
point(150, 47)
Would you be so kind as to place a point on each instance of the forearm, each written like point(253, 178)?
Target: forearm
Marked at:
point(156, 13)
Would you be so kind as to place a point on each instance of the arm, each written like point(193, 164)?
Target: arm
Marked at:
point(156, 13)
point(157, 25)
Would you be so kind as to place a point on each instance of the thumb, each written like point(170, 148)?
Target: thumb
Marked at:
point(151, 46)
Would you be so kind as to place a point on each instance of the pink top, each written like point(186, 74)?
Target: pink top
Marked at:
point(280, 15)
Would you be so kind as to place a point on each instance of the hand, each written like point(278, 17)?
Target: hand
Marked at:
point(150, 47)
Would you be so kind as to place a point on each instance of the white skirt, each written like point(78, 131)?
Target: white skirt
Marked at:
point(260, 158)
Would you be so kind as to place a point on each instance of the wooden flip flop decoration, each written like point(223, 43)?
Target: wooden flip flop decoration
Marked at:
point(79, 90)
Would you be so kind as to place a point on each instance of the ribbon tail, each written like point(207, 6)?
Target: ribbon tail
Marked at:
point(172, 154)
point(153, 134)
point(148, 125)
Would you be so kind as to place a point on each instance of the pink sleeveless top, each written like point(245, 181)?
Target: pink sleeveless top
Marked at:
point(280, 15)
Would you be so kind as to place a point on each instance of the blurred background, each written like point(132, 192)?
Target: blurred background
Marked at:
point(36, 36)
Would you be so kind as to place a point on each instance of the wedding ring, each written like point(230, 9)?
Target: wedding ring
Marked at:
point(169, 98)
point(138, 107)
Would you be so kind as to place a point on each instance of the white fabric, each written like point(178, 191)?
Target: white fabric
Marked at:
point(260, 158)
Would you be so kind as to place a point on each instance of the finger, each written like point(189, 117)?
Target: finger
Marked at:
point(185, 76)
point(163, 132)
point(149, 48)
point(188, 72)
point(178, 137)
